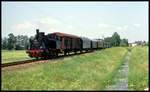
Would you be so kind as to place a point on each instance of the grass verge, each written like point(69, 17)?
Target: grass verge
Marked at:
point(138, 63)
point(14, 55)
point(91, 71)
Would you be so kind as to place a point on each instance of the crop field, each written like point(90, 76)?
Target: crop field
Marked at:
point(90, 71)
point(14, 55)
point(138, 74)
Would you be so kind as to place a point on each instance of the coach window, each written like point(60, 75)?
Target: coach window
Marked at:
point(51, 36)
point(60, 38)
point(57, 37)
point(54, 36)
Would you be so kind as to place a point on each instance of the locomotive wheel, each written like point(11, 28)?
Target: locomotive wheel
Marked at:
point(56, 54)
point(80, 51)
point(65, 53)
point(37, 58)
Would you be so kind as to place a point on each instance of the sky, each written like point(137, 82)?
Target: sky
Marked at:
point(87, 19)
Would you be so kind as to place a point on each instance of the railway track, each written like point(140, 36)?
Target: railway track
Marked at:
point(35, 60)
point(17, 63)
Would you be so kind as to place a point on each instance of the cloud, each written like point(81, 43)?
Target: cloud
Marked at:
point(137, 25)
point(125, 27)
point(119, 28)
point(25, 25)
point(35, 23)
point(49, 21)
point(122, 27)
point(103, 25)
point(70, 26)
point(70, 17)
point(51, 30)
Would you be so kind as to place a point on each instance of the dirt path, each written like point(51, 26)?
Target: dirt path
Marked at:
point(121, 79)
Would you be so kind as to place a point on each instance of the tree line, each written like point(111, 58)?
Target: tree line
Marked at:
point(116, 41)
point(21, 42)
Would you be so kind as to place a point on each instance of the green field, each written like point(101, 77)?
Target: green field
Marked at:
point(17, 55)
point(91, 71)
point(138, 74)
point(14, 55)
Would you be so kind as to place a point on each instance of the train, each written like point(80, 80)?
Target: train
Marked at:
point(50, 45)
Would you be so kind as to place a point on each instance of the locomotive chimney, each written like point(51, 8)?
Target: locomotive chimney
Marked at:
point(37, 33)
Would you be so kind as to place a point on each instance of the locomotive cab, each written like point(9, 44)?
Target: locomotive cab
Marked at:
point(55, 41)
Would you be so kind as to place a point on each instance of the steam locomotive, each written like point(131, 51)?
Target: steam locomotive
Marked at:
point(50, 45)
